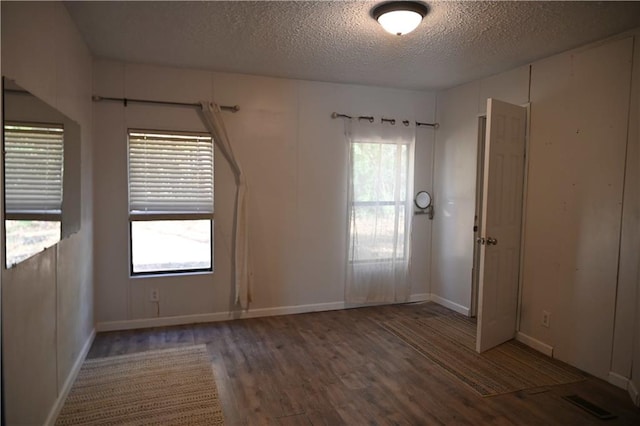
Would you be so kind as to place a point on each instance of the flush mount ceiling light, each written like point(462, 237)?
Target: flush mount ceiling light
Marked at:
point(400, 17)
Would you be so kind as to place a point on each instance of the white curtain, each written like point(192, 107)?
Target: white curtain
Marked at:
point(380, 211)
point(212, 118)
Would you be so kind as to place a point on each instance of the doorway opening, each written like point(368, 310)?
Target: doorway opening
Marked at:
point(477, 221)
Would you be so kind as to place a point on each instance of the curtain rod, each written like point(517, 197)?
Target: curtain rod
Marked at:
point(392, 121)
point(125, 101)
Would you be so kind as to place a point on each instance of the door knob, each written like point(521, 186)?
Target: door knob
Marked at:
point(491, 241)
point(480, 240)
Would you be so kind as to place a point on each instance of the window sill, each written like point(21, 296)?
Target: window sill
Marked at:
point(168, 274)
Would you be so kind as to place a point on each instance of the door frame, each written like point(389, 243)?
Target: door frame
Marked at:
point(525, 196)
point(477, 222)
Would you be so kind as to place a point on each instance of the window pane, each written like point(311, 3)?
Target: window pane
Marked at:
point(375, 168)
point(170, 172)
point(373, 230)
point(170, 245)
point(404, 169)
point(34, 157)
point(27, 237)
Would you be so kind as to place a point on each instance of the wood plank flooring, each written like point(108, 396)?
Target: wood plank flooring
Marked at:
point(342, 368)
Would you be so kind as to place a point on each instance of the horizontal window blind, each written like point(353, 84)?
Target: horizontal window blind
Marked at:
point(170, 173)
point(33, 167)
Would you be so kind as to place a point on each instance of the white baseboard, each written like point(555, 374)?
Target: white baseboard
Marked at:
point(535, 344)
point(68, 383)
point(231, 315)
point(217, 316)
point(421, 297)
point(633, 393)
point(618, 380)
point(449, 304)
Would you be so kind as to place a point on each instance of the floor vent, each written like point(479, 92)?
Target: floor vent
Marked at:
point(599, 412)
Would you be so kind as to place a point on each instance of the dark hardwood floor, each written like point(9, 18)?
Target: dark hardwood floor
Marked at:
point(342, 368)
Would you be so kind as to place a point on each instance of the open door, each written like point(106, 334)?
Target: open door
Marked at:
point(501, 221)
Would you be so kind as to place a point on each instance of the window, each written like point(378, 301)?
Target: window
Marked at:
point(379, 206)
point(33, 187)
point(379, 203)
point(170, 201)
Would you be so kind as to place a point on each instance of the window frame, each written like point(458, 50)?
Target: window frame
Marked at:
point(167, 216)
point(396, 204)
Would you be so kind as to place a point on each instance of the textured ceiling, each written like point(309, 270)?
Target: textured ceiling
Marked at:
point(339, 41)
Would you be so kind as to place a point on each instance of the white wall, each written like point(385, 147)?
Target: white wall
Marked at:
point(455, 180)
point(634, 384)
point(579, 113)
point(294, 157)
point(626, 355)
point(630, 238)
point(48, 300)
point(625, 320)
point(576, 159)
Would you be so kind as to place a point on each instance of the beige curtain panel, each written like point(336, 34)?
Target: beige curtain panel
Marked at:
point(211, 116)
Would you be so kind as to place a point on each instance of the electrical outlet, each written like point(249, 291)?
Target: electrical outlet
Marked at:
point(154, 295)
point(546, 319)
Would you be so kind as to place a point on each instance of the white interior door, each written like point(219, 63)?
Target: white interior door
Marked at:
point(501, 223)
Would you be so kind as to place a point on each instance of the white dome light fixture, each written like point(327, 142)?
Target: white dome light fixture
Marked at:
point(400, 17)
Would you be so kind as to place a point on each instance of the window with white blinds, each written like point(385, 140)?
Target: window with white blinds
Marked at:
point(170, 202)
point(34, 158)
point(170, 173)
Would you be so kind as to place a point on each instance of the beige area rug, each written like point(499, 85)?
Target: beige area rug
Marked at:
point(165, 387)
point(449, 341)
